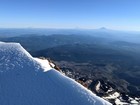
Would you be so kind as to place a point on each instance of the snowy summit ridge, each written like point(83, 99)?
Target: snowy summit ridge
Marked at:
point(24, 82)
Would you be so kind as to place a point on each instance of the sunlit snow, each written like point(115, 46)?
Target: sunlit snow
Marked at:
point(44, 64)
point(25, 80)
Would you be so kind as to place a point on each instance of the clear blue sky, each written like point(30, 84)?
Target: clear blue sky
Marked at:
point(113, 14)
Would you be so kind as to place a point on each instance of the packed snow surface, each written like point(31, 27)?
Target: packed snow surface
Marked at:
point(25, 80)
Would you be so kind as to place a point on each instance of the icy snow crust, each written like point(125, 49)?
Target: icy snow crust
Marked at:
point(26, 81)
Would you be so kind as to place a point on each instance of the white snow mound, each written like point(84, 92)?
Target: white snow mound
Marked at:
point(24, 82)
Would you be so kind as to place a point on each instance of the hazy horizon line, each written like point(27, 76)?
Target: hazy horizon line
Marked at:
point(77, 28)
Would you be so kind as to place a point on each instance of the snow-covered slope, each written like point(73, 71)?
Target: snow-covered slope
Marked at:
point(25, 80)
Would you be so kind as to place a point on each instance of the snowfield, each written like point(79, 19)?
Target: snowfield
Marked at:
point(25, 80)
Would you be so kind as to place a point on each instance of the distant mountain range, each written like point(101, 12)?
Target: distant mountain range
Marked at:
point(102, 32)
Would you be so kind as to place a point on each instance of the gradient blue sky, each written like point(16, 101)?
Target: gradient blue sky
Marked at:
point(113, 14)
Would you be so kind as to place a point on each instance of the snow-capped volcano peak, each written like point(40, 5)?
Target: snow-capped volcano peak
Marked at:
point(23, 82)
